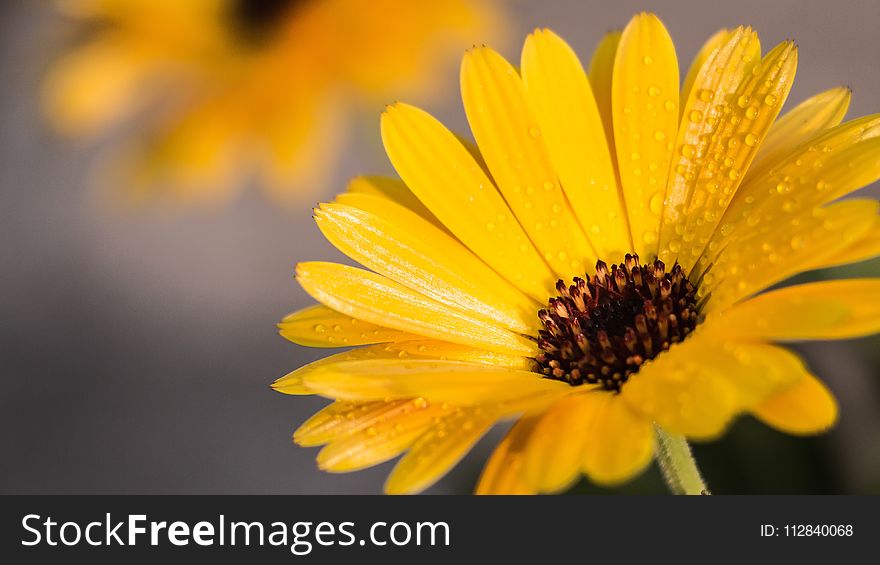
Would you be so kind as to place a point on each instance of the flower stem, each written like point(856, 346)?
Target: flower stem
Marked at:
point(678, 465)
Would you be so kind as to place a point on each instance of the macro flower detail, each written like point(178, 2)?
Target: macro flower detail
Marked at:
point(595, 267)
point(214, 92)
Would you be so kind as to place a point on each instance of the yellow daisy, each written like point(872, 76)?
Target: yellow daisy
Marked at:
point(489, 294)
point(225, 88)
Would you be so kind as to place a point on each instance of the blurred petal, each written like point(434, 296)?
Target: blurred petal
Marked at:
point(706, 51)
point(807, 407)
point(836, 309)
point(503, 473)
point(619, 443)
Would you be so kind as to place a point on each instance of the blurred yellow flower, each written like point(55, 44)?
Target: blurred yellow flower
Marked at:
point(228, 88)
point(472, 311)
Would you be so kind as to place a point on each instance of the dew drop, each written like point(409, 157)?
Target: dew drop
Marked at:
point(752, 113)
point(743, 101)
point(751, 139)
point(490, 226)
point(647, 60)
point(706, 95)
point(688, 151)
point(656, 204)
point(770, 99)
point(669, 105)
point(695, 116)
point(653, 91)
point(659, 135)
point(319, 328)
point(534, 131)
point(549, 186)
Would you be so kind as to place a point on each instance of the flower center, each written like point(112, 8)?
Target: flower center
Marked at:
point(600, 330)
point(255, 19)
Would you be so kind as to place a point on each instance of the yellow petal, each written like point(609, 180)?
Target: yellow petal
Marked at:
point(759, 259)
point(510, 140)
point(292, 383)
point(341, 419)
point(438, 450)
point(645, 97)
point(455, 382)
point(619, 443)
point(319, 326)
point(707, 50)
point(699, 385)
point(601, 73)
point(503, 473)
point(555, 446)
point(807, 407)
point(824, 310)
point(819, 170)
point(865, 248)
point(559, 93)
point(377, 299)
point(809, 118)
point(405, 248)
point(392, 189)
point(444, 176)
point(384, 439)
point(720, 164)
point(694, 171)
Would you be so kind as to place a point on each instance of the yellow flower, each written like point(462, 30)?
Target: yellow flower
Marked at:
point(230, 87)
point(461, 315)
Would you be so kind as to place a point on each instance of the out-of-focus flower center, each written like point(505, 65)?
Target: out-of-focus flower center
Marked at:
point(255, 20)
point(600, 330)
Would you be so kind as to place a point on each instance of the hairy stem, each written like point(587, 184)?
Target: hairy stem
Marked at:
point(678, 465)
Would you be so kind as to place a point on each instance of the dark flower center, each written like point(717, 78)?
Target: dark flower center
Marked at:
point(600, 330)
point(255, 20)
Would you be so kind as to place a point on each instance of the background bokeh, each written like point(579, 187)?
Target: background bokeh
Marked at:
point(137, 346)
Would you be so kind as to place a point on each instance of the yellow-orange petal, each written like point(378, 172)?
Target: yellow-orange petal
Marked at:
point(714, 42)
point(748, 114)
point(807, 407)
point(553, 454)
point(698, 386)
point(382, 440)
point(835, 309)
point(438, 450)
point(560, 95)
point(388, 188)
point(503, 473)
point(809, 118)
point(644, 106)
point(619, 442)
point(377, 299)
point(319, 326)
point(746, 266)
point(404, 247)
point(510, 140)
point(447, 179)
point(695, 174)
point(456, 382)
point(601, 72)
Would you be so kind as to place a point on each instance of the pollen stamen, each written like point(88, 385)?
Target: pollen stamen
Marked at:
point(601, 329)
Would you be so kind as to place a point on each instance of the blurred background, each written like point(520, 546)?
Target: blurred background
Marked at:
point(138, 335)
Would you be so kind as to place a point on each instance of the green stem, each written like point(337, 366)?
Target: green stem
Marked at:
point(678, 465)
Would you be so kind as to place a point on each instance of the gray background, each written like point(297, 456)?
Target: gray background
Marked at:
point(137, 348)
